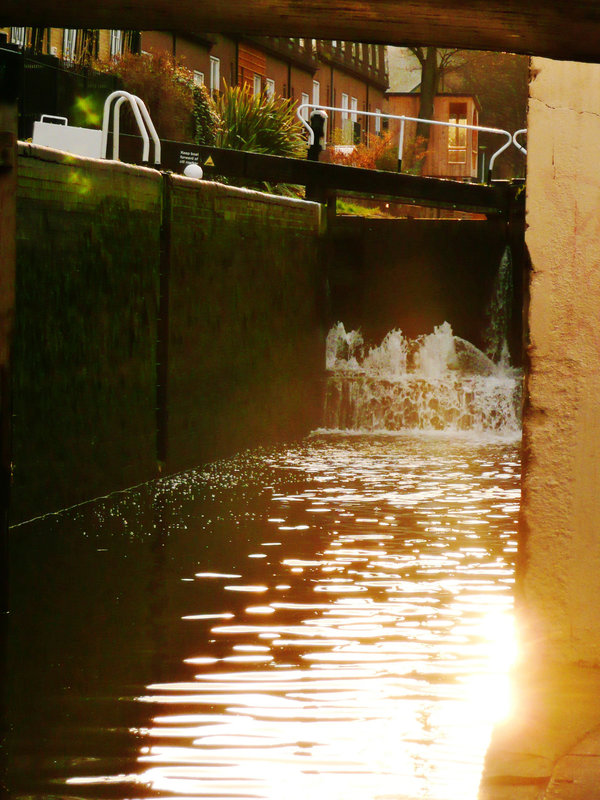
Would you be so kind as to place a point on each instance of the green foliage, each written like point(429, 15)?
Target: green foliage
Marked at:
point(354, 209)
point(206, 120)
point(178, 109)
point(258, 123)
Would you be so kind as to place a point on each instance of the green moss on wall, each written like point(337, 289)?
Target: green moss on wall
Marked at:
point(84, 348)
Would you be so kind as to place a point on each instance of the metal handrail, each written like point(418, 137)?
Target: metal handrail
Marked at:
point(403, 119)
point(517, 144)
point(142, 118)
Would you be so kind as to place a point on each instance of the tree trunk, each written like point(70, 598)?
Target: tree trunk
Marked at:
point(430, 77)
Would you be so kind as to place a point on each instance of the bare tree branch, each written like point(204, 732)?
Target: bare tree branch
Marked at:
point(419, 53)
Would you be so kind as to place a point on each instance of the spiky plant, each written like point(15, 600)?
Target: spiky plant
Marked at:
point(258, 123)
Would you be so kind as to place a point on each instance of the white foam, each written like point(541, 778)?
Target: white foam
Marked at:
point(437, 382)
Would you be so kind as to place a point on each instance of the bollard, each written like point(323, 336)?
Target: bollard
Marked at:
point(318, 123)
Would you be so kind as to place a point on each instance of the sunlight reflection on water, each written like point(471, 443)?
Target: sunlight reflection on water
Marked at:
point(375, 662)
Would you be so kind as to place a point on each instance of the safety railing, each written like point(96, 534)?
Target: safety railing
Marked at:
point(520, 147)
point(143, 121)
point(403, 119)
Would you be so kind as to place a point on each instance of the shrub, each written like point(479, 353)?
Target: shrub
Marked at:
point(258, 123)
point(206, 120)
point(378, 153)
point(179, 110)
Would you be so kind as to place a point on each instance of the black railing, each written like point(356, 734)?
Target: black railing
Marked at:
point(45, 87)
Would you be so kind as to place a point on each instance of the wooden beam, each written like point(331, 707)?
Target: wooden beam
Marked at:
point(327, 178)
point(563, 29)
point(324, 178)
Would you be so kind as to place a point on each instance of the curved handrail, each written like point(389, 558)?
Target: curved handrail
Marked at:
point(142, 118)
point(517, 144)
point(403, 118)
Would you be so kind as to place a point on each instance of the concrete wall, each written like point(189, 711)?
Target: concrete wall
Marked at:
point(232, 289)
point(559, 576)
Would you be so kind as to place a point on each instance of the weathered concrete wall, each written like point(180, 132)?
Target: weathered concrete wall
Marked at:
point(232, 286)
point(414, 274)
point(559, 574)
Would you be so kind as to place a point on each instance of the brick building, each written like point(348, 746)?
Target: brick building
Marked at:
point(72, 45)
point(452, 152)
point(349, 75)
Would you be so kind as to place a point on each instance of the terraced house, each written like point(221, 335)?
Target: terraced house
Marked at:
point(347, 75)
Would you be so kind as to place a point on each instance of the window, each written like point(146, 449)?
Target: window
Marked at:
point(215, 74)
point(69, 43)
point(116, 43)
point(354, 107)
point(370, 48)
point(257, 84)
point(198, 78)
point(457, 137)
point(316, 93)
point(378, 121)
point(270, 87)
point(305, 111)
point(301, 44)
point(17, 36)
point(344, 106)
point(334, 44)
point(347, 127)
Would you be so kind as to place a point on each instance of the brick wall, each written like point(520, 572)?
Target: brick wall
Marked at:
point(245, 342)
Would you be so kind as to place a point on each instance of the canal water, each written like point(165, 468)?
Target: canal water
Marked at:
point(329, 618)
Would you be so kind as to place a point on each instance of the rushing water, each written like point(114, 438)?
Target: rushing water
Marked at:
point(329, 619)
point(437, 382)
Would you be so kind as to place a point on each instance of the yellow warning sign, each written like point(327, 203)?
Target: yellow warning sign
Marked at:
point(209, 162)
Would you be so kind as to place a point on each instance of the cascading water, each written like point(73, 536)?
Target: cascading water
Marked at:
point(437, 382)
point(499, 309)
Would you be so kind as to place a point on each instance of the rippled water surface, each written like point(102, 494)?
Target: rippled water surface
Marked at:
point(328, 620)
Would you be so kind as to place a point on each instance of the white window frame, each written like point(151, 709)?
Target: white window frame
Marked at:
point(69, 43)
point(270, 87)
point(354, 109)
point(215, 74)
point(257, 83)
point(345, 106)
point(17, 36)
point(198, 78)
point(305, 111)
point(378, 121)
point(116, 43)
point(316, 93)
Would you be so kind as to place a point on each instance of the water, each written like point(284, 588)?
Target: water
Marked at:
point(499, 310)
point(331, 618)
point(437, 382)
